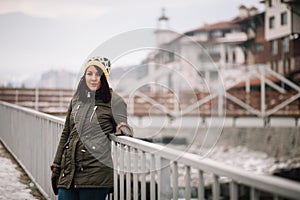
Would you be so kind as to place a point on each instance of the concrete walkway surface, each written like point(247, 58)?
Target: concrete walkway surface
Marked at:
point(14, 183)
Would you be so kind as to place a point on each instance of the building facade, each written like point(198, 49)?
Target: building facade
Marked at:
point(282, 33)
point(271, 37)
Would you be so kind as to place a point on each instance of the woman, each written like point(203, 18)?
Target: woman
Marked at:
point(82, 167)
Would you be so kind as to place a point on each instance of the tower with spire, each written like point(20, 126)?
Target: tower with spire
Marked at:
point(163, 32)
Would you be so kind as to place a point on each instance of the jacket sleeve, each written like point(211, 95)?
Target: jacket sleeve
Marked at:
point(119, 109)
point(119, 112)
point(64, 137)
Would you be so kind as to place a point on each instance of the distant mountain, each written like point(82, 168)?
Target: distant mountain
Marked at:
point(58, 79)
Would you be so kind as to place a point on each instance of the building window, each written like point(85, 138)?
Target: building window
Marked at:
point(283, 18)
point(274, 47)
point(285, 44)
point(271, 22)
point(217, 34)
point(226, 56)
point(270, 3)
point(286, 66)
point(233, 57)
point(235, 30)
point(259, 47)
point(213, 49)
point(289, 65)
point(274, 66)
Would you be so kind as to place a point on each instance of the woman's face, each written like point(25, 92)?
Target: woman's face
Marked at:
point(92, 78)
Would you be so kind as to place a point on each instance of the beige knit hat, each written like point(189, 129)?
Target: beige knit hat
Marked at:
point(101, 62)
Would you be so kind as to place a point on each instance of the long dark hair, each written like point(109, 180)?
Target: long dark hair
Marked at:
point(103, 93)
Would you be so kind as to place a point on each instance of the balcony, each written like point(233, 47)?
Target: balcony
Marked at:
point(237, 37)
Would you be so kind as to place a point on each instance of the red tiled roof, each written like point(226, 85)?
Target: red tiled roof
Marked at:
point(241, 19)
point(292, 1)
point(285, 1)
point(253, 8)
point(216, 26)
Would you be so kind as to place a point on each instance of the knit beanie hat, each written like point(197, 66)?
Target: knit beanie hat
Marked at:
point(101, 62)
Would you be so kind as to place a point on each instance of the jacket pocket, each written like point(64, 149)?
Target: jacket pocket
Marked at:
point(64, 155)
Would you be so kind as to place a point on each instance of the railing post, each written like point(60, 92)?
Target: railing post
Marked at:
point(253, 194)
point(187, 182)
point(216, 187)
point(175, 180)
point(164, 187)
point(143, 176)
point(61, 98)
point(262, 91)
point(152, 176)
point(201, 186)
point(121, 172)
point(17, 97)
point(128, 174)
point(36, 105)
point(248, 88)
point(135, 174)
point(115, 159)
point(233, 190)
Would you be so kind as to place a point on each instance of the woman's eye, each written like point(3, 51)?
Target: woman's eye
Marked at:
point(93, 74)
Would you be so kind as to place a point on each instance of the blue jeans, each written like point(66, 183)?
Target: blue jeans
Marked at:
point(82, 194)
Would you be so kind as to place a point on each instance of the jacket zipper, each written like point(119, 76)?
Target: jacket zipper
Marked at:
point(78, 106)
point(93, 113)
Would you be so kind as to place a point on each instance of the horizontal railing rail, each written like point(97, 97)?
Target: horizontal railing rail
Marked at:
point(141, 168)
point(131, 156)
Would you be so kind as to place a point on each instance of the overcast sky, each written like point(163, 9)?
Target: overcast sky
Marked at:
point(38, 35)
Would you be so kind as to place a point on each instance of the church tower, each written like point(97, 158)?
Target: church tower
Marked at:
point(163, 32)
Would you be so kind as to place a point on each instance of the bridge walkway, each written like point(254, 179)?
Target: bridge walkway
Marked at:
point(143, 170)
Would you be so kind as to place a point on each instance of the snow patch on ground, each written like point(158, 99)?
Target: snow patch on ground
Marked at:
point(254, 161)
point(10, 186)
point(242, 157)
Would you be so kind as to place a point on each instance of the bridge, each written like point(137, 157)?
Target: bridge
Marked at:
point(257, 91)
point(143, 170)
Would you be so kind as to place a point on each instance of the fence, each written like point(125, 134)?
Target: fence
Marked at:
point(32, 138)
point(53, 101)
point(56, 101)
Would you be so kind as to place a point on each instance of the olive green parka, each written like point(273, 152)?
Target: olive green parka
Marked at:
point(84, 149)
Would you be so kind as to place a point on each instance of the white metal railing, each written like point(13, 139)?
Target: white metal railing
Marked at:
point(141, 168)
point(32, 138)
point(161, 169)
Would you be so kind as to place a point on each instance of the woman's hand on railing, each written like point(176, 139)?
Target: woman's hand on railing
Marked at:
point(124, 129)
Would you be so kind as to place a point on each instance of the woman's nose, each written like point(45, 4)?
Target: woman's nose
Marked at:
point(94, 77)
